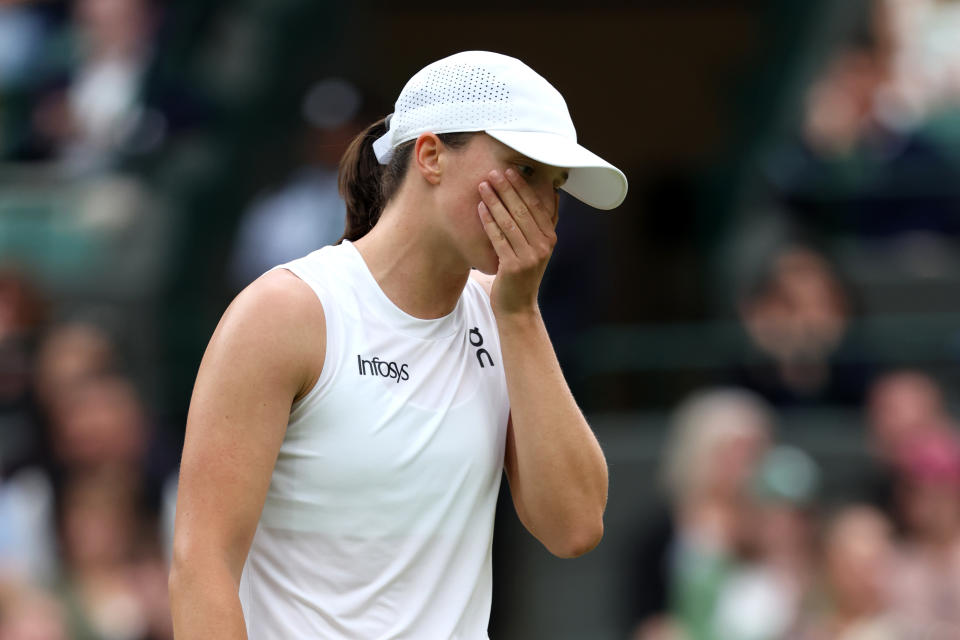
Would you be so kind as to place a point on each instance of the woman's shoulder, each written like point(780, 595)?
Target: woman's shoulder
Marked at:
point(276, 308)
point(279, 291)
point(273, 334)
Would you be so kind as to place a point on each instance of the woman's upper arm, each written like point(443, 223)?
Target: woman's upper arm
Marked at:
point(266, 352)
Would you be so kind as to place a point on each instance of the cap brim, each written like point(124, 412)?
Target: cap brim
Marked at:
point(592, 179)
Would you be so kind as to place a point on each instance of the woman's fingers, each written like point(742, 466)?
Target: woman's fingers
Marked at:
point(520, 209)
point(516, 207)
point(514, 220)
point(504, 219)
point(535, 220)
point(545, 218)
point(497, 238)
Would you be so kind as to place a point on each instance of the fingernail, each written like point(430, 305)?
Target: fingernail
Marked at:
point(484, 186)
point(511, 173)
point(495, 175)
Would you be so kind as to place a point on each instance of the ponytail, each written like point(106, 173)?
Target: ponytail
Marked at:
point(366, 185)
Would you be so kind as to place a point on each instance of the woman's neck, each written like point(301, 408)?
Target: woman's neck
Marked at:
point(418, 270)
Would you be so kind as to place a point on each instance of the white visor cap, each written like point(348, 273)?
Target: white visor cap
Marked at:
point(484, 91)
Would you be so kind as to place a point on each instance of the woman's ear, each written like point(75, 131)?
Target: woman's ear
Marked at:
point(427, 155)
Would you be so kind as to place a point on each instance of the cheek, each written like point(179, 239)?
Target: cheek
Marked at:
point(459, 202)
point(467, 214)
point(464, 221)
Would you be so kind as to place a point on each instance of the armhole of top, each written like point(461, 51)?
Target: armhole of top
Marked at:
point(482, 280)
point(331, 340)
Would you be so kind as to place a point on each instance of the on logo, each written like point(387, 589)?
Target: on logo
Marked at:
point(477, 340)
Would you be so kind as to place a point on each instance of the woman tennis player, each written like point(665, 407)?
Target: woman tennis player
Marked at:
point(356, 408)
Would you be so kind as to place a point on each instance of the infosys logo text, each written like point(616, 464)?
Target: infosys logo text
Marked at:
point(377, 367)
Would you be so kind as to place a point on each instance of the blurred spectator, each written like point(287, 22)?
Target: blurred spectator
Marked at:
point(102, 423)
point(840, 104)
point(99, 423)
point(927, 585)
point(878, 141)
point(95, 497)
point(22, 312)
point(306, 212)
point(796, 316)
point(98, 108)
point(903, 407)
point(659, 628)
point(858, 553)
point(100, 500)
point(908, 72)
point(84, 221)
point(26, 543)
point(70, 353)
point(763, 597)
point(22, 308)
point(716, 441)
point(114, 575)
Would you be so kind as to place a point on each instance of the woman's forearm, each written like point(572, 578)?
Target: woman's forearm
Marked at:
point(204, 601)
point(559, 476)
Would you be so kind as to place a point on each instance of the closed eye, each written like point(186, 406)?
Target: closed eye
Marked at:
point(528, 171)
point(525, 170)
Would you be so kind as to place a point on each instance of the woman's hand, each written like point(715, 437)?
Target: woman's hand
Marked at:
point(522, 229)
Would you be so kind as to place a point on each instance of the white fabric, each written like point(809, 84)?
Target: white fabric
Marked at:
point(484, 91)
point(379, 518)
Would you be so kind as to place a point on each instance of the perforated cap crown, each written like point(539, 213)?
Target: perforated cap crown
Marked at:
point(484, 91)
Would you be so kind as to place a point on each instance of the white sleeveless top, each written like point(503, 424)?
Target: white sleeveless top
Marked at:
point(379, 518)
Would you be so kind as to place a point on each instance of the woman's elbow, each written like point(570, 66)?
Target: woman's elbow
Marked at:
point(192, 567)
point(179, 578)
point(177, 584)
point(578, 540)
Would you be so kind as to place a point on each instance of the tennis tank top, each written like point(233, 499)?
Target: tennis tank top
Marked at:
point(378, 522)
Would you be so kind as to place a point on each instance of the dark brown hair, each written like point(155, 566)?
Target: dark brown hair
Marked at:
point(366, 185)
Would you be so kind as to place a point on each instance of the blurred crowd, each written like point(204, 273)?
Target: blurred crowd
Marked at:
point(856, 215)
point(87, 466)
point(85, 484)
point(875, 139)
point(747, 547)
point(747, 543)
point(85, 471)
point(72, 79)
point(901, 72)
